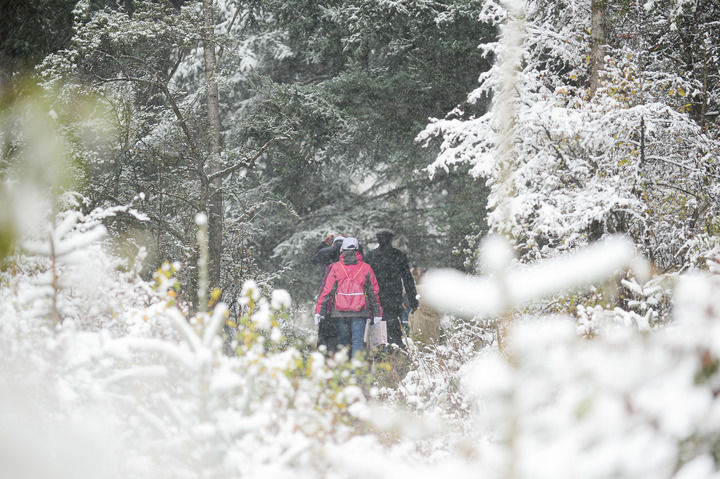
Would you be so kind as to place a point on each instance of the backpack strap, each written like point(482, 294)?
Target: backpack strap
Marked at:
point(362, 266)
point(344, 269)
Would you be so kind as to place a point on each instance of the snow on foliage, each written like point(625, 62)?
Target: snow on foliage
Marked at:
point(65, 272)
point(505, 288)
point(131, 384)
point(173, 405)
point(165, 401)
point(630, 159)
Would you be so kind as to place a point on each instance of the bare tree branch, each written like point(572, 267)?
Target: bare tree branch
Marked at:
point(163, 86)
point(230, 25)
point(673, 187)
point(247, 163)
point(167, 227)
point(177, 197)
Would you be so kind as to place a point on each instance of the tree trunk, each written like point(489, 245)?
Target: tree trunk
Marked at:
point(215, 198)
point(703, 106)
point(597, 43)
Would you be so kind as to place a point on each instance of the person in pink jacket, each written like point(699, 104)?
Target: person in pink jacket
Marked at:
point(349, 296)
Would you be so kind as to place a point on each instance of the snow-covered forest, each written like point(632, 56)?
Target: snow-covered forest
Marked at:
point(169, 166)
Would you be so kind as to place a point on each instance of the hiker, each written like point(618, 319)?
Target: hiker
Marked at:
point(393, 275)
point(328, 251)
point(324, 255)
point(349, 296)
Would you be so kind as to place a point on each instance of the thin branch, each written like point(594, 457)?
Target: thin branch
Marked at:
point(173, 70)
point(124, 79)
point(642, 140)
point(247, 163)
point(234, 18)
point(673, 187)
point(168, 95)
point(163, 86)
point(167, 227)
point(671, 162)
point(572, 179)
point(179, 116)
point(177, 197)
point(232, 22)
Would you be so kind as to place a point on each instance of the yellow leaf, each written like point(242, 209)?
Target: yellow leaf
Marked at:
point(215, 294)
point(681, 92)
point(384, 366)
point(671, 92)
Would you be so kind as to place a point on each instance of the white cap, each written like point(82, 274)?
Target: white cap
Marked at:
point(350, 243)
point(338, 238)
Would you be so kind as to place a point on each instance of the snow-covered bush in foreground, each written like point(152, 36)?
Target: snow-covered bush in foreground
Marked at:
point(626, 403)
point(621, 405)
point(62, 270)
point(181, 408)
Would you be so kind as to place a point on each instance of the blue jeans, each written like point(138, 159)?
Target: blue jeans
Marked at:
point(405, 320)
point(351, 331)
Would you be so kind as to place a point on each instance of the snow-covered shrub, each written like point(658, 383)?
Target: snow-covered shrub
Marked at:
point(627, 301)
point(64, 271)
point(432, 382)
point(624, 401)
point(552, 403)
point(623, 404)
point(175, 404)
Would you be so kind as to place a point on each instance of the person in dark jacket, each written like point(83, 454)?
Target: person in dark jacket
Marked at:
point(348, 297)
point(392, 270)
point(328, 252)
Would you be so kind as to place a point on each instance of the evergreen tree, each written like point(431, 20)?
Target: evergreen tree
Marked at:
point(634, 158)
point(313, 134)
point(385, 68)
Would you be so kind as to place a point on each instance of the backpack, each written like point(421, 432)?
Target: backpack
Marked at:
point(350, 294)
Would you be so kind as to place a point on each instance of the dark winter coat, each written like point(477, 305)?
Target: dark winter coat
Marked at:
point(350, 265)
point(392, 270)
point(327, 334)
point(325, 255)
point(393, 275)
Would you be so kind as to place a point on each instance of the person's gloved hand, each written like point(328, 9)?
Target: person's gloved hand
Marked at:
point(318, 317)
point(377, 319)
point(413, 305)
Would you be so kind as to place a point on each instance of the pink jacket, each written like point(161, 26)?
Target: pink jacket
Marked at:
point(350, 269)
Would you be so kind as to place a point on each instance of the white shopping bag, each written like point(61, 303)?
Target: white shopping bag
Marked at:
point(375, 334)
